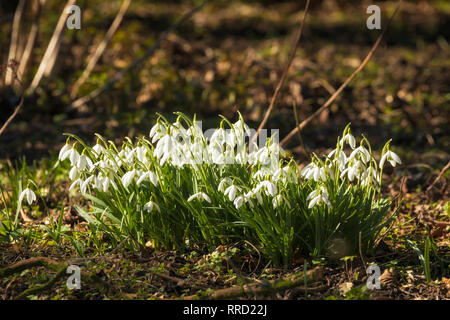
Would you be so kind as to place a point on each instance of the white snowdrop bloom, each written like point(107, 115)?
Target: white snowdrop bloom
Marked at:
point(200, 196)
point(263, 156)
point(73, 156)
point(230, 138)
point(90, 164)
point(276, 150)
point(341, 158)
point(271, 189)
point(97, 183)
point(259, 175)
point(231, 192)
point(218, 137)
point(278, 174)
point(317, 197)
point(290, 173)
point(241, 159)
point(350, 139)
point(150, 175)
point(82, 162)
point(73, 174)
point(223, 183)
point(98, 150)
point(140, 153)
point(64, 152)
point(238, 202)
point(369, 176)
point(363, 152)
point(157, 132)
point(254, 194)
point(75, 183)
point(142, 177)
point(390, 156)
point(149, 206)
point(311, 171)
point(105, 184)
point(353, 171)
point(29, 194)
point(241, 127)
point(128, 177)
point(153, 178)
point(84, 185)
point(164, 159)
point(308, 171)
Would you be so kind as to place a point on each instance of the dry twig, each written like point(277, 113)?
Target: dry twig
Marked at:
point(101, 48)
point(333, 97)
point(284, 74)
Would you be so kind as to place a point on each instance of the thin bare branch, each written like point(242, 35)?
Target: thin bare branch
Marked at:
point(9, 78)
point(305, 122)
point(83, 100)
point(31, 38)
point(284, 74)
point(13, 66)
point(101, 48)
point(49, 58)
point(439, 176)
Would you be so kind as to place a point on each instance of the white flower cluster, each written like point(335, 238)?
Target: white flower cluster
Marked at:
point(267, 182)
point(359, 166)
point(98, 167)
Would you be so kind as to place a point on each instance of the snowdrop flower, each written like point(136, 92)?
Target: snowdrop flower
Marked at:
point(271, 189)
point(317, 197)
point(157, 132)
point(312, 171)
point(231, 192)
point(73, 174)
point(348, 138)
point(223, 183)
point(353, 171)
point(75, 183)
point(149, 206)
point(83, 186)
point(82, 162)
point(31, 197)
point(200, 196)
point(148, 175)
point(64, 152)
point(73, 156)
point(238, 202)
point(98, 150)
point(105, 184)
point(363, 152)
point(342, 158)
point(391, 157)
point(254, 194)
point(369, 176)
point(128, 177)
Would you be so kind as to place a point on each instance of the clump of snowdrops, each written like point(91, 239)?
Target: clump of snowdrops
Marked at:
point(182, 190)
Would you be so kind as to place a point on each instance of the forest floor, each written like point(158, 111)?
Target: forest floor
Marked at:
point(226, 59)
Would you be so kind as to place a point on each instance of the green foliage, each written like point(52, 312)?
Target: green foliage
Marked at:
point(159, 194)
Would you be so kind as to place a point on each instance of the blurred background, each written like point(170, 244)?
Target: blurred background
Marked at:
point(228, 57)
